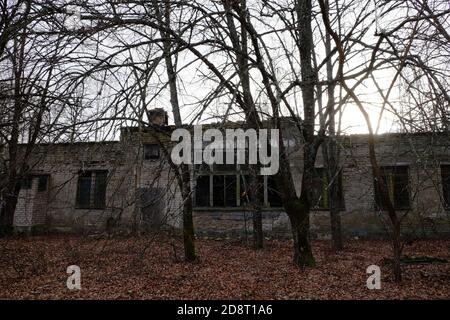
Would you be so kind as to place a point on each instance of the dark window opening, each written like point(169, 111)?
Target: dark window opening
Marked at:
point(84, 190)
point(91, 190)
point(396, 181)
point(321, 190)
point(224, 167)
point(228, 186)
point(202, 191)
point(445, 174)
point(26, 183)
point(218, 191)
point(230, 191)
point(42, 183)
point(151, 151)
point(100, 189)
point(273, 193)
point(224, 191)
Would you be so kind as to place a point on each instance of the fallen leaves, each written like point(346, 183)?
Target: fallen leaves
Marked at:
point(145, 268)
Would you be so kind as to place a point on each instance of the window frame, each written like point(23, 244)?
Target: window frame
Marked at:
point(392, 182)
point(324, 196)
point(92, 203)
point(151, 157)
point(196, 195)
point(47, 179)
point(208, 171)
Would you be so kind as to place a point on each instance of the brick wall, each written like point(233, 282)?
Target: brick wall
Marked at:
point(422, 153)
point(23, 217)
point(128, 171)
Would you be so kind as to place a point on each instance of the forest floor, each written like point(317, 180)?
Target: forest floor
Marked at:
point(151, 268)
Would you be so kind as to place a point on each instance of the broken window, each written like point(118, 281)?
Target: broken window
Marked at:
point(321, 190)
point(396, 181)
point(445, 174)
point(151, 151)
point(91, 190)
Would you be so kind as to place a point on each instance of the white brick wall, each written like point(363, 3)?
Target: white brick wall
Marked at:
point(23, 216)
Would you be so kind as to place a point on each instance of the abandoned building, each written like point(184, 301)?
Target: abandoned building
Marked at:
point(128, 184)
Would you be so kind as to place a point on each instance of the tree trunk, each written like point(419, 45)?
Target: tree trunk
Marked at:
point(331, 155)
point(336, 232)
point(397, 250)
point(334, 197)
point(188, 221)
point(299, 218)
point(240, 45)
point(395, 222)
point(258, 240)
point(7, 214)
point(387, 203)
point(301, 221)
point(251, 188)
point(13, 187)
point(297, 209)
point(10, 193)
point(184, 171)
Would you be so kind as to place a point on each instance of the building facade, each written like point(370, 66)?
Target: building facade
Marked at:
point(130, 185)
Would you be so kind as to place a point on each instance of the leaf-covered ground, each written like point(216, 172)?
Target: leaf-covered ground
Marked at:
point(150, 268)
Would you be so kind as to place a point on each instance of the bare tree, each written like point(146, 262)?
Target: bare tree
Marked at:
point(163, 12)
point(31, 94)
point(402, 58)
